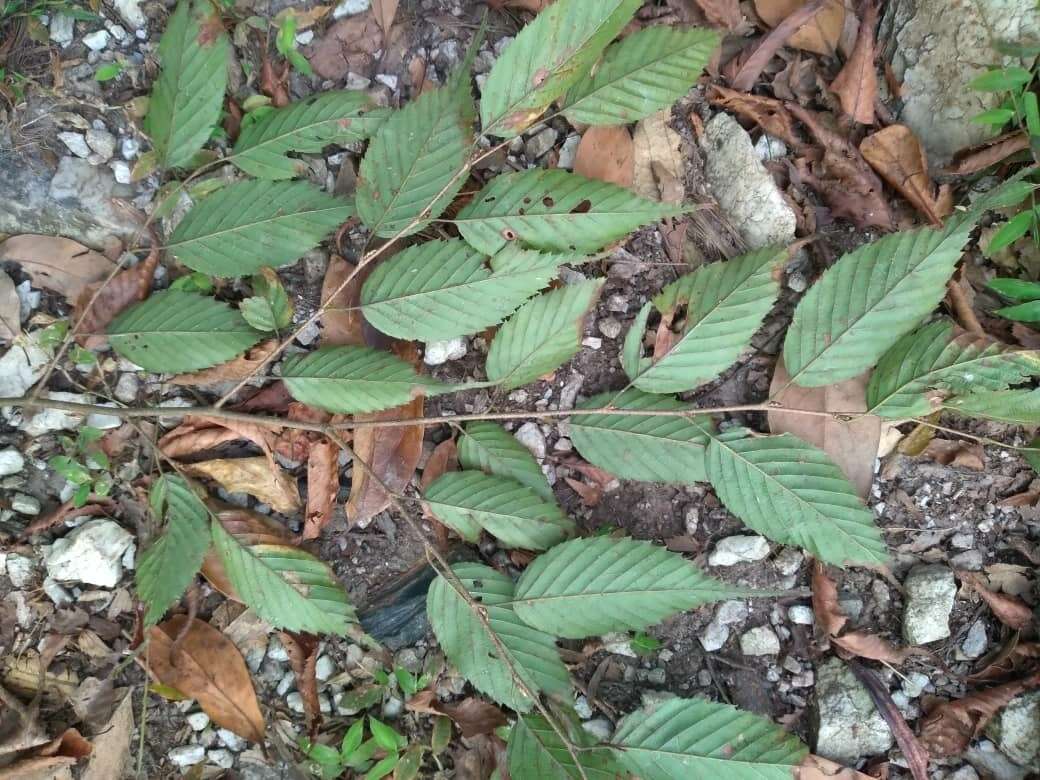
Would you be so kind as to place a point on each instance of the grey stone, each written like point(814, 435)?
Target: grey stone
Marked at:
point(91, 553)
point(937, 47)
point(231, 740)
point(20, 570)
point(728, 614)
point(48, 419)
point(760, 640)
point(609, 327)
point(540, 143)
point(198, 721)
point(324, 668)
point(11, 462)
point(619, 643)
point(599, 728)
point(392, 708)
point(97, 41)
point(24, 504)
point(970, 560)
point(225, 759)
point(976, 641)
point(350, 8)
point(187, 755)
point(914, 684)
point(127, 388)
point(102, 142)
point(930, 591)
point(131, 12)
point(531, 436)
point(58, 594)
point(848, 725)
point(738, 549)
point(439, 352)
point(294, 701)
point(582, 708)
point(75, 143)
point(964, 773)
point(744, 189)
point(992, 764)
point(801, 614)
point(388, 80)
point(1017, 730)
point(569, 151)
point(62, 29)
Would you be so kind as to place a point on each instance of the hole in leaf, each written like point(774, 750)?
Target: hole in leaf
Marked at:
point(509, 234)
point(548, 202)
point(582, 208)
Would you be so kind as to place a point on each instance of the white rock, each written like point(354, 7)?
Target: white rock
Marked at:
point(225, 759)
point(102, 142)
point(582, 708)
point(914, 684)
point(531, 436)
point(104, 422)
point(769, 148)
point(744, 189)
point(357, 81)
point(20, 570)
point(63, 29)
point(118, 32)
point(59, 595)
point(975, 642)
point(97, 41)
point(930, 591)
point(1017, 730)
point(75, 143)
point(540, 143)
point(294, 701)
point(850, 725)
point(131, 12)
point(761, 640)
point(28, 299)
point(324, 668)
point(738, 549)
point(129, 147)
point(619, 643)
point(25, 505)
point(198, 721)
point(48, 419)
point(387, 79)
point(440, 352)
point(392, 708)
point(305, 37)
point(21, 366)
point(728, 614)
point(801, 614)
point(568, 151)
point(187, 755)
point(276, 652)
point(127, 387)
point(350, 7)
point(600, 728)
point(11, 462)
point(231, 740)
point(90, 554)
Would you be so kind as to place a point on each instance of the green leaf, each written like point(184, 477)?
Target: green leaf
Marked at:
point(868, 300)
point(1018, 290)
point(936, 357)
point(726, 303)
point(170, 563)
point(1015, 407)
point(352, 739)
point(488, 447)
point(442, 289)
point(269, 308)
point(701, 738)
point(351, 380)
point(1010, 232)
point(286, 586)
point(468, 501)
point(545, 333)
point(384, 736)
point(172, 331)
point(467, 642)
point(309, 125)
point(644, 644)
point(536, 751)
point(1023, 312)
point(593, 586)
point(792, 493)
point(995, 116)
point(648, 448)
point(640, 75)
point(548, 56)
point(414, 167)
point(1001, 80)
point(245, 226)
point(383, 767)
point(632, 359)
point(187, 97)
point(108, 71)
point(556, 211)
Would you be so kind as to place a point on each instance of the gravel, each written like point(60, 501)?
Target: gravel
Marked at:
point(75, 143)
point(531, 436)
point(440, 352)
point(930, 591)
point(738, 549)
point(11, 462)
point(728, 614)
point(761, 640)
point(187, 755)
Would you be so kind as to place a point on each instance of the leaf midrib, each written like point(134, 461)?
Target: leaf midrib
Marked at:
point(243, 226)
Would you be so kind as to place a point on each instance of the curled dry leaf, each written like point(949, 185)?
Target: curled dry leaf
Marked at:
point(444, 458)
point(819, 768)
point(898, 156)
point(995, 150)
point(385, 11)
point(302, 650)
point(322, 487)
point(589, 494)
point(341, 322)
point(52, 761)
point(1012, 659)
point(607, 154)
point(856, 85)
point(10, 309)
point(948, 728)
point(233, 371)
point(1011, 611)
point(852, 445)
point(724, 13)
point(472, 715)
point(198, 434)
point(914, 753)
point(959, 454)
point(295, 444)
point(111, 752)
point(747, 68)
point(125, 288)
point(57, 264)
point(820, 35)
point(254, 476)
point(768, 113)
point(250, 529)
point(96, 506)
point(658, 164)
point(206, 667)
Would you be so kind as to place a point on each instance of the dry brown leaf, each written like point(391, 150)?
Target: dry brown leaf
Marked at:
point(818, 768)
point(351, 44)
point(820, 35)
point(302, 650)
point(294, 443)
point(342, 326)
point(866, 645)
point(916, 756)
point(847, 183)
point(852, 445)
point(198, 433)
point(948, 728)
point(52, 761)
point(960, 454)
point(208, 668)
point(1009, 610)
point(10, 309)
point(444, 458)
point(898, 156)
point(241, 367)
point(995, 150)
point(766, 112)
point(254, 476)
point(857, 84)
point(249, 528)
point(125, 288)
point(725, 13)
point(472, 715)
point(274, 83)
point(829, 617)
point(322, 487)
point(385, 11)
point(57, 264)
point(590, 495)
point(746, 68)
point(23, 675)
point(1013, 659)
point(607, 154)
point(96, 506)
point(658, 165)
point(112, 744)
point(534, 6)
point(1010, 578)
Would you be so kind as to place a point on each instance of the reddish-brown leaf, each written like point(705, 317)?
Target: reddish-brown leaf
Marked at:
point(748, 68)
point(272, 398)
point(1009, 610)
point(960, 454)
point(829, 617)
point(57, 264)
point(852, 445)
point(198, 434)
point(241, 367)
point(948, 728)
point(1012, 659)
point(724, 13)
point(274, 83)
point(444, 458)
point(898, 156)
point(916, 756)
point(766, 112)
point(590, 494)
point(607, 154)
point(866, 645)
point(249, 528)
point(385, 11)
point(125, 288)
point(322, 487)
point(209, 668)
point(820, 35)
point(995, 150)
point(302, 650)
point(534, 6)
point(818, 768)
point(341, 322)
point(473, 716)
point(857, 84)
point(351, 44)
point(96, 506)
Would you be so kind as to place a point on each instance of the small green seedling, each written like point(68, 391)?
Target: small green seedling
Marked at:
point(84, 465)
point(371, 758)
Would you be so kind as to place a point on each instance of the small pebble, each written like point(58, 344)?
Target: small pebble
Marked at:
point(761, 640)
point(20, 570)
point(75, 143)
point(387, 79)
point(294, 701)
point(187, 755)
point(25, 505)
point(976, 641)
point(440, 352)
point(531, 436)
point(801, 614)
point(609, 327)
point(225, 759)
point(231, 740)
point(599, 728)
point(738, 549)
point(198, 721)
point(97, 41)
point(324, 668)
point(11, 462)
